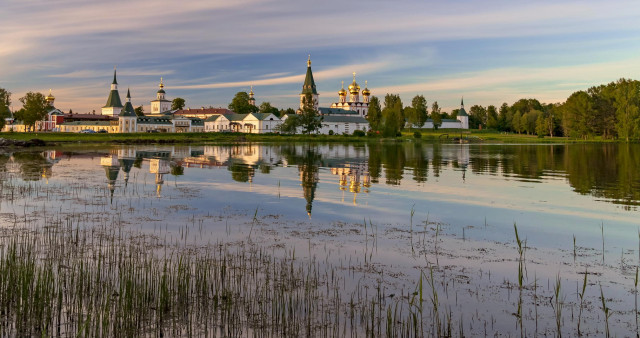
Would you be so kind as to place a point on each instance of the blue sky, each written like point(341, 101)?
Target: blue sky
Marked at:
point(487, 51)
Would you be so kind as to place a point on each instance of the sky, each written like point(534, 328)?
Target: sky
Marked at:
point(488, 52)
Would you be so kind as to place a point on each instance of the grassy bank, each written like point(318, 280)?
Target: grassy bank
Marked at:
point(427, 135)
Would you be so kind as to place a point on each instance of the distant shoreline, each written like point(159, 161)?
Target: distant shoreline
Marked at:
point(430, 136)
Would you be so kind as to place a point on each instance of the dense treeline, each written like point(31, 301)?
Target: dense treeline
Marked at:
point(609, 111)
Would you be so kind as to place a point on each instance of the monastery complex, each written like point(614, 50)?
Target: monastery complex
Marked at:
point(345, 116)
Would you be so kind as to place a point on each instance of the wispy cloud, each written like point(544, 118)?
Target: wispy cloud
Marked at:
point(430, 46)
point(335, 72)
point(84, 74)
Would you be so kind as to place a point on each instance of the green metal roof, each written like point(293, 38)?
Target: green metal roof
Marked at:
point(154, 120)
point(309, 86)
point(197, 121)
point(462, 112)
point(336, 111)
point(128, 110)
point(236, 117)
point(344, 119)
point(113, 100)
point(212, 118)
point(262, 116)
point(114, 78)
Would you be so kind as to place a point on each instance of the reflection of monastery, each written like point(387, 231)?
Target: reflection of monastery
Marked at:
point(350, 170)
point(353, 177)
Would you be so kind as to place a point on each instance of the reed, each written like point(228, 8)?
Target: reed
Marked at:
point(581, 296)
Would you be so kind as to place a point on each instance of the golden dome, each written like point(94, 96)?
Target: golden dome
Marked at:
point(354, 88)
point(50, 96)
point(366, 91)
point(342, 92)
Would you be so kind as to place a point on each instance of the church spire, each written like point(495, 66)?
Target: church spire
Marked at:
point(309, 86)
point(462, 102)
point(128, 95)
point(114, 84)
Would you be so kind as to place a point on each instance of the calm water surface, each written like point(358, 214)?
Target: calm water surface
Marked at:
point(475, 192)
point(553, 190)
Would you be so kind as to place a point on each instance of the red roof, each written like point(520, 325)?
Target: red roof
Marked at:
point(87, 117)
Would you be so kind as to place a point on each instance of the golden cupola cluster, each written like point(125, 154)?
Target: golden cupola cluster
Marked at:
point(342, 92)
point(354, 87)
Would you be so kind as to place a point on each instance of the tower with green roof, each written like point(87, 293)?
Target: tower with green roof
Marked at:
point(114, 105)
point(462, 116)
point(160, 104)
point(309, 87)
point(127, 118)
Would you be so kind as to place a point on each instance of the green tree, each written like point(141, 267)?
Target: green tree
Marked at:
point(577, 115)
point(240, 104)
point(290, 125)
point(418, 115)
point(627, 96)
point(477, 117)
point(34, 108)
point(436, 116)
point(5, 103)
point(603, 102)
point(492, 117)
point(410, 115)
point(288, 111)
point(139, 111)
point(375, 113)
point(541, 125)
point(309, 119)
point(267, 108)
point(177, 103)
point(392, 115)
point(503, 121)
point(515, 122)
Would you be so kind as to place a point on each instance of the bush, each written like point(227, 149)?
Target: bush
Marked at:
point(417, 134)
point(331, 132)
point(359, 133)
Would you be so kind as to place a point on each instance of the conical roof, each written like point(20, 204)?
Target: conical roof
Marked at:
point(309, 86)
point(128, 107)
point(462, 112)
point(114, 97)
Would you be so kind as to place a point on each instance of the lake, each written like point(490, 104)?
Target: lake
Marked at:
point(383, 216)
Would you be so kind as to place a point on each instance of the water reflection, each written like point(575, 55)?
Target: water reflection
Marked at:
point(608, 172)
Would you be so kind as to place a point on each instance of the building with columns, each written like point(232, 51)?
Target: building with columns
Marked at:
point(160, 104)
point(354, 103)
point(114, 105)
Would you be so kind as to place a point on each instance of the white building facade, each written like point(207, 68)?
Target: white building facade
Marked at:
point(160, 104)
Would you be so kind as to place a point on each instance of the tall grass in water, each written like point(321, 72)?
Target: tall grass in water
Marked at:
point(71, 281)
point(557, 304)
point(581, 296)
point(606, 310)
point(521, 249)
